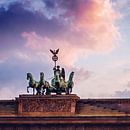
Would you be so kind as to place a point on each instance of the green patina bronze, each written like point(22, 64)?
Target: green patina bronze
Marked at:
point(32, 83)
point(58, 83)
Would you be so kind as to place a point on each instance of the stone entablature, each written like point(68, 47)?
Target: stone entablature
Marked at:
point(84, 107)
point(64, 112)
point(42, 105)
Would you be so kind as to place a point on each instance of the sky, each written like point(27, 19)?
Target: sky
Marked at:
point(92, 35)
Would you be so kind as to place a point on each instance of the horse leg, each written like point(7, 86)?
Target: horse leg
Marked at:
point(33, 91)
point(27, 89)
point(43, 91)
point(38, 91)
point(67, 90)
point(47, 91)
point(70, 90)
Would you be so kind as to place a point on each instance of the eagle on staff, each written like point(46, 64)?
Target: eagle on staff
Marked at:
point(54, 57)
point(54, 52)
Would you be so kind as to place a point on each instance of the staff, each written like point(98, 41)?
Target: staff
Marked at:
point(54, 57)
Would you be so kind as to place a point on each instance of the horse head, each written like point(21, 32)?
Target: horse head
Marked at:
point(29, 75)
point(70, 83)
point(71, 76)
point(42, 75)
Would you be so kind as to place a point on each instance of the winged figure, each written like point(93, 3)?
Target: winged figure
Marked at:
point(54, 51)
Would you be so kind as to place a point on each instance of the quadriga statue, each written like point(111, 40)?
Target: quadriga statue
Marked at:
point(58, 83)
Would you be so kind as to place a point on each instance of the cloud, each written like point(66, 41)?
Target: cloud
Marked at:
point(30, 28)
point(13, 77)
point(6, 3)
point(48, 8)
point(121, 4)
point(16, 19)
point(95, 24)
point(83, 26)
point(41, 44)
point(17, 65)
point(13, 72)
point(91, 28)
point(81, 75)
point(122, 94)
point(8, 92)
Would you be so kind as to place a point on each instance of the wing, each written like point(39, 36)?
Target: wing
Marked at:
point(57, 51)
point(52, 51)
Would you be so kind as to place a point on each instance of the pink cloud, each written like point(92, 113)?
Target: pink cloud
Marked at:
point(81, 75)
point(95, 25)
point(44, 44)
point(92, 29)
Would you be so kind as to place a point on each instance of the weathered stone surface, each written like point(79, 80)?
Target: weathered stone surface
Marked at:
point(8, 107)
point(84, 107)
point(47, 104)
point(56, 112)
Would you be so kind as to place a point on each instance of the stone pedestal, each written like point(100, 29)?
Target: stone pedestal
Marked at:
point(47, 105)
